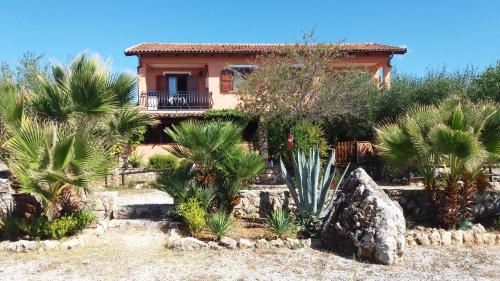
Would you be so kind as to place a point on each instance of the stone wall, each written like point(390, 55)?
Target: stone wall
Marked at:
point(6, 203)
point(413, 201)
point(105, 203)
point(130, 177)
point(417, 208)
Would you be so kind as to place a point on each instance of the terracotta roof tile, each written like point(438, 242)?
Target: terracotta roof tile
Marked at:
point(223, 48)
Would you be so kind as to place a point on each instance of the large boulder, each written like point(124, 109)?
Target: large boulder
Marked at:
point(363, 220)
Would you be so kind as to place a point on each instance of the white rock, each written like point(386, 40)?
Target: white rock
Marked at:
point(188, 243)
point(478, 228)
point(372, 226)
point(71, 244)
point(435, 238)
point(489, 238)
point(277, 243)
point(457, 237)
point(214, 245)
point(445, 237)
point(228, 242)
point(50, 244)
point(468, 237)
point(293, 244)
point(262, 244)
point(245, 243)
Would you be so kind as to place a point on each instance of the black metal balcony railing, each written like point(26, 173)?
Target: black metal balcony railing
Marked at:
point(179, 100)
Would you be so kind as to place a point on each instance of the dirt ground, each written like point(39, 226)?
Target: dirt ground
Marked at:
point(140, 254)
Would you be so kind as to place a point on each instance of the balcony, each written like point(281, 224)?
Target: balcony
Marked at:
point(178, 100)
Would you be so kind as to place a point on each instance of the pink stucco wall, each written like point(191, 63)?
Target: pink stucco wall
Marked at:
point(211, 66)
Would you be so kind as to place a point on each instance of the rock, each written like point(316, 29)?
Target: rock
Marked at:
point(214, 245)
point(50, 244)
point(188, 243)
point(262, 244)
point(445, 237)
point(498, 239)
point(435, 238)
point(172, 236)
point(277, 243)
point(228, 242)
point(478, 238)
point(468, 237)
point(423, 239)
point(410, 240)
point(478, 228)
point(489, 238)
point(22, 246)
point(457, 237)
point(293, 243)
point(72, 243)
point(306, 242)
point(245, 243)
point(362, 219)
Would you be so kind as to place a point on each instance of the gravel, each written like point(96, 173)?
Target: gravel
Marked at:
point(132, 253)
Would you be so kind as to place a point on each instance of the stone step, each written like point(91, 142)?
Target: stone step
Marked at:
point(151, 205)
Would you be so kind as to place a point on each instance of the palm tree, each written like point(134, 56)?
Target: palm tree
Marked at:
point(53, 161)
point(87, 93)
point(217, 157)
point(457, 136)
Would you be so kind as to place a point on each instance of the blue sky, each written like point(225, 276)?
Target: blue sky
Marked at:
point(437, 33)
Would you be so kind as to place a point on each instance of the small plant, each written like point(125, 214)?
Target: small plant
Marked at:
point(253, 218)
point(135, 160)
point(409, 222)
point(40, 227)
point(220, 223)
point(193, 215)
point(280, 223)
point(163, 162)
point(466, 225)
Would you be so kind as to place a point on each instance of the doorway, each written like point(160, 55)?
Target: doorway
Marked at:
point(176, 83)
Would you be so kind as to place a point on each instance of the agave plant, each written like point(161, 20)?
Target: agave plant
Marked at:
point(457, 138)
point(309, 185)
point(220, 223)
point(280, 223)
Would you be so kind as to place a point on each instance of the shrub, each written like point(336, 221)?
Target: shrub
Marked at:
point(306, 135)
point(135, 160)
point(163, 162)
point(228, 114)
point(220, 223)
point(40, 227)
point(280, 223)
point(193, 215)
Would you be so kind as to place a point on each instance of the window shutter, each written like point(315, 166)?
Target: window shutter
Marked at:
point(226, 80)
point(161, 83)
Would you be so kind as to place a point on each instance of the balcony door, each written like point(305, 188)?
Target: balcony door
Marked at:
point(176, 83)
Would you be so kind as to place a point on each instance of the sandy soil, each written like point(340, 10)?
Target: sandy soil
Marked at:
point(139, 254)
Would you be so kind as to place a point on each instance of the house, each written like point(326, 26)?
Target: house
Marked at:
point(178, 80)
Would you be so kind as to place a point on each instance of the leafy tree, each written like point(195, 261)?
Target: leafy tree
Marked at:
point(486, 86)
point(26, 74)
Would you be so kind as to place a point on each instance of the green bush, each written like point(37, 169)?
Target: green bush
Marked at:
point(193, 215)
point(280, 223)
point(220, 223)
point(135, 160)
point(163, 162)
point(42, 228)
point(229, 114)
point(306, 135)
